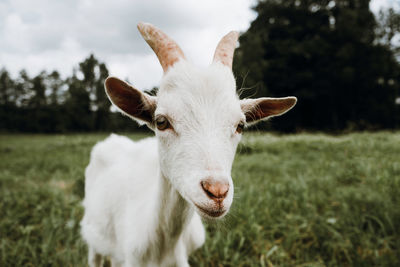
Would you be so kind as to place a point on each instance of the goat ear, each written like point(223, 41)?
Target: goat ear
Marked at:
point(130, 101)
point(266, 107)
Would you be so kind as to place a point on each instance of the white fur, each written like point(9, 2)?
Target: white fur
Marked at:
point(142, 198)
point(139, 196)
point(121, 205)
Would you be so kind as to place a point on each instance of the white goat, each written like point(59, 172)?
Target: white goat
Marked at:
point(143, 200)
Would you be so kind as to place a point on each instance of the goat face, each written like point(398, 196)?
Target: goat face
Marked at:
point(198, 120)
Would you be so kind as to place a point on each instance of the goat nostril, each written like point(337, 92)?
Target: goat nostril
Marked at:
point(215, 190)
point(209, 194)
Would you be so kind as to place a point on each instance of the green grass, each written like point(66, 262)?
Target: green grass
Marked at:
point(300, 200)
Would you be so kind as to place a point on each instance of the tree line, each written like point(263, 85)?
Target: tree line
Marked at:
point(340, 60)
point(47, 103)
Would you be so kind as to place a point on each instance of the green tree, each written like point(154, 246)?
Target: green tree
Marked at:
point(101, 102)
point(94, 73)
point(6, 88)
point(78, 106)
point(23, 89)
point(389, 28)
point(54, 85)
point(7, 105)
point(38, 97)
point(326, 54)
point(22, 117)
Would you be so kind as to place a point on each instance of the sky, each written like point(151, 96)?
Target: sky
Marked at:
point(58, 34)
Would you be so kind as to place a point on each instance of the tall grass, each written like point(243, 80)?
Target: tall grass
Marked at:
point(300, 200)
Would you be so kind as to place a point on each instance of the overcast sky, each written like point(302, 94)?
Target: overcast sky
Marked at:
point(57, 34)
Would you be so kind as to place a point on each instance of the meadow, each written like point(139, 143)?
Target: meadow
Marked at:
point(300, 200)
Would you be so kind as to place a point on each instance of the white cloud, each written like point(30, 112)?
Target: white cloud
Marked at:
point(46, 34)
point(376, 5)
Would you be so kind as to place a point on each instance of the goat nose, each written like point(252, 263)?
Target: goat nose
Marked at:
point(215, 190)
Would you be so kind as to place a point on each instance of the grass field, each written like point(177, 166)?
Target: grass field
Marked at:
point(300, 200)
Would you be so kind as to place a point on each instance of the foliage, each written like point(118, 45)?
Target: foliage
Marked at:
point(333, 55)
point(389, 27)
point(47, 103)
point(300, 200)
point(340, 60)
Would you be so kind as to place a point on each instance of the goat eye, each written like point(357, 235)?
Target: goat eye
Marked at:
point(162, 123)
point(240, 127)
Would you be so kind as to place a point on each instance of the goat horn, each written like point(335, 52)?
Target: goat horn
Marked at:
point(226, 48)
point(166, 49)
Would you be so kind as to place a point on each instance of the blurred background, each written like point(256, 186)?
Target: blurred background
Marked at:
point(340, 58)
point(316, 187)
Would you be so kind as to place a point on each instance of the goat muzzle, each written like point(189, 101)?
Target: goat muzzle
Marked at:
point(215, 190)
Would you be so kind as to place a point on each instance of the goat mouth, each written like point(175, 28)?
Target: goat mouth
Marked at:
point(211, 213)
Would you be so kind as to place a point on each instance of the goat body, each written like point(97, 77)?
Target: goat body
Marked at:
point(133, 214)
point(144, 200)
